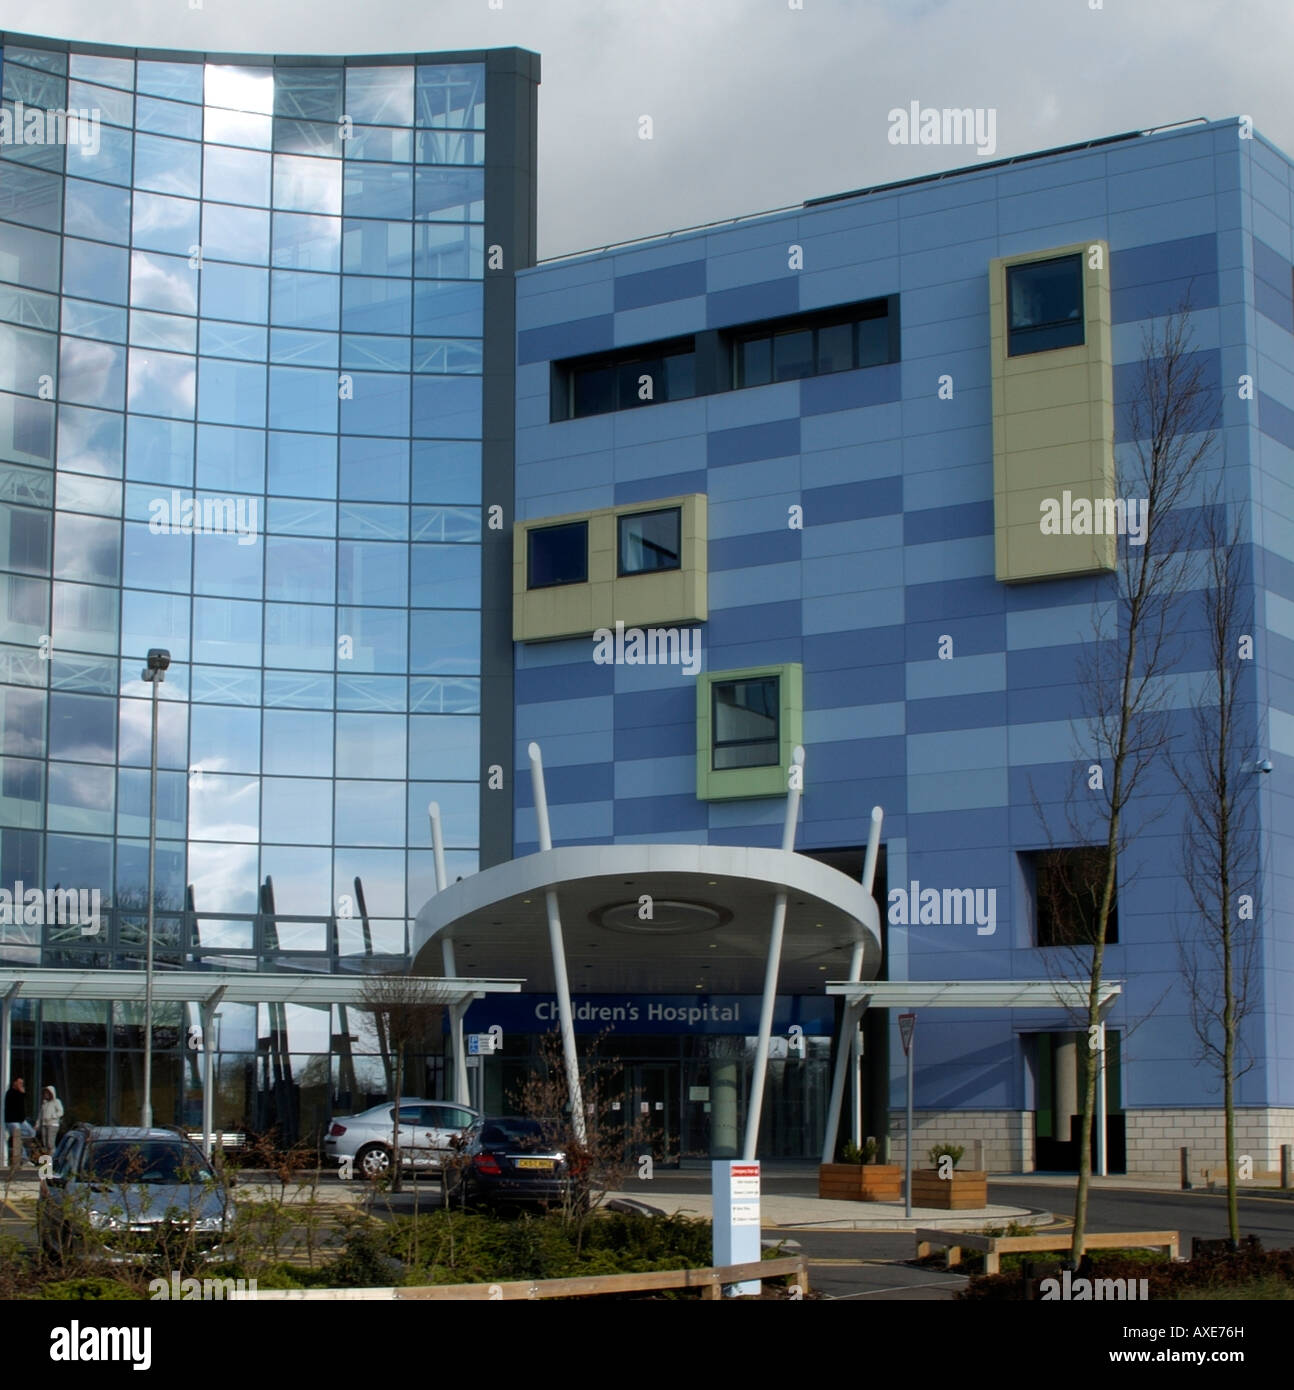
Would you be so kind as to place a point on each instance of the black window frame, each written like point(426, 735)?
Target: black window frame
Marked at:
point(622, 517)
point(656, 355)
point(1017, 339)
point(533, 531)
point(881, 309)
point(716, 743)
point(1066, 881)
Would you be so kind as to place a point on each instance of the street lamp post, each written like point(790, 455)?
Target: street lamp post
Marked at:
point(154, 673)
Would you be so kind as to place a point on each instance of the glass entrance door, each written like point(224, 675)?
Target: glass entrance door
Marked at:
point(653, 1116)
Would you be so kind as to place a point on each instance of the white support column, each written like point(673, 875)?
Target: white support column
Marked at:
point(456, 1011)
point(558, 949)
point(853, 1012)
point(208, 1008)
point(847, 1054)
point(1102, 1151)
point(6, 1052)
point(773, 964)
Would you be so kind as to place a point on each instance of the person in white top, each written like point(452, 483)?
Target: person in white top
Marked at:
point(49, 1119)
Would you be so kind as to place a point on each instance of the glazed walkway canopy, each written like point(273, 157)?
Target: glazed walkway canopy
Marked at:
point(210, 988)
point(1070, 995)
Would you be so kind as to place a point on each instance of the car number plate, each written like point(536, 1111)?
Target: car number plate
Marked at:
point(545, 1163)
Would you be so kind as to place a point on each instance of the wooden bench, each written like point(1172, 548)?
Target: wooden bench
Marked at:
point(994, 1247)
point(709, 1281)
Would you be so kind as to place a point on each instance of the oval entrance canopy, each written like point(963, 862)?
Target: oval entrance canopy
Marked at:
point(653, 918)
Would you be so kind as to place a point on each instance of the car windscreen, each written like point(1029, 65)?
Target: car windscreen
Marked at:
point(145, 1161)
point(527, 1133)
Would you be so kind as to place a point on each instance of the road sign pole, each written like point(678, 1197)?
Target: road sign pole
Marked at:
point(907, 1029)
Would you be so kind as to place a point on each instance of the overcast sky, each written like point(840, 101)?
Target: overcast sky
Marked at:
point(756, 105)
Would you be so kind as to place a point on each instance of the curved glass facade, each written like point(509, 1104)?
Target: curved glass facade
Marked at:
point(242, 350)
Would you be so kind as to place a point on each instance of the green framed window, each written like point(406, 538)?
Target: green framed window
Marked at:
point(748, 723)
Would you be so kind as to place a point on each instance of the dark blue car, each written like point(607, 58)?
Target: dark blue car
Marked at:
point(510, 1160)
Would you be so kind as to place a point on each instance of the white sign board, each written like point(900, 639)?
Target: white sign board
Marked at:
point(907, 1023)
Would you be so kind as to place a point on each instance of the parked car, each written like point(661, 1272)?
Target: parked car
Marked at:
point(367, 1139)
point(123, 1194)
point(509, 1160)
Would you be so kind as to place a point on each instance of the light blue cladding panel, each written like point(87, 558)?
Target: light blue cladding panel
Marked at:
point(892, 550)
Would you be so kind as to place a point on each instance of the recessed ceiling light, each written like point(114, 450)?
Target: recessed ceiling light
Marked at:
point(712, 883)
point(700, 985)
point(525, 900)
point(822, 967)
point(714, 945)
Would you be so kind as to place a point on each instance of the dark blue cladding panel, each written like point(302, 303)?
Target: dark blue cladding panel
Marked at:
point(760, 548)
point(750, 303)
point(1154, 280)
point(853, 501)
point(1276, 420)
point(819, 395)
point(660, 286)
point(1129, 379)
point(955, 598)
point(658, 740)
point(670, 485)
point(641, 709)
point(571, 339)
point(757, 622)
point(774, 440)
point(564, 785)
point(537, 684)
point(834, 651)
point(1271, 266)
point(874, 683)
point(650, 815)
point(948, 523)
point(1274, 304)
point(983, 711)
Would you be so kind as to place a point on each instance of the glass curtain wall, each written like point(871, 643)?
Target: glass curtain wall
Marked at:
point(241, 335)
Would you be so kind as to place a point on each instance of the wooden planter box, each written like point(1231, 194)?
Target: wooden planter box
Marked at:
point(964, 1191)
point(861, 1182)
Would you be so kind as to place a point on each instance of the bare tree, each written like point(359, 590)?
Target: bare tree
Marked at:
point(1121, 673)
point(1220, 844)
point(405, 1014)
point(616, 1146)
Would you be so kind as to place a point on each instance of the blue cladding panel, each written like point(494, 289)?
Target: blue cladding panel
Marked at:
point(660, 286)
point(558, 340)
point(896, 551)
point(750, 303)
point(776, 439)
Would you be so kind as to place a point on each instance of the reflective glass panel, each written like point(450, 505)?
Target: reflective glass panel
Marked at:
point(168, 283)
point(167, 166)
point(236, 176)
point(371, 745)
point(296, 810)
point(298, 742)
point(97, 210)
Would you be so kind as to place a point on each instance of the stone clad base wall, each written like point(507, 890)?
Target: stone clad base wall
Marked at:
point(1154, 1139)
point(1005, 1137)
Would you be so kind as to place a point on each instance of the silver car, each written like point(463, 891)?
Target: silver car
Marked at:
point(129, 1195)
point(364, 1144)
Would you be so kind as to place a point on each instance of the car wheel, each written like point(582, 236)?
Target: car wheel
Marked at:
point(373, 1161)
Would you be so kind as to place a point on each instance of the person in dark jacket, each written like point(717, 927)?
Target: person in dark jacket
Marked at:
point(15, 1112)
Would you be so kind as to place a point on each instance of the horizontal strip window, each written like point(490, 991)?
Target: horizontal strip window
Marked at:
point(623, 380)
point(840, 339)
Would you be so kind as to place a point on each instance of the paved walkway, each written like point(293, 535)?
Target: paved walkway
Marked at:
point(816, 1214)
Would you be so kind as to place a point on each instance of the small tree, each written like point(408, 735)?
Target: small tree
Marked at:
point(1219, 838)
point(612, 1150)
point(405, 1014)
point(1170, 416)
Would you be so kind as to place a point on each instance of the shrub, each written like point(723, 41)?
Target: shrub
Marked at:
point(954, 1151)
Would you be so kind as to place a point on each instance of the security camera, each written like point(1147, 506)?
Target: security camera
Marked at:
point(1264, 765)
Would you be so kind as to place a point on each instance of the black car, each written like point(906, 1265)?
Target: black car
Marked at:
point(510, 1160)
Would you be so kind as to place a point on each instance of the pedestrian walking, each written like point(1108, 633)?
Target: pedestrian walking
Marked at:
point(15, 1115)
point(51, 1117)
